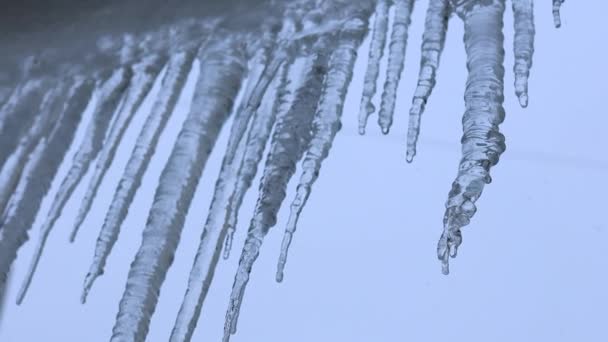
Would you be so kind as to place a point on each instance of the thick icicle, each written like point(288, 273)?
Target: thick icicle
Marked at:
point(108, 99)
point(10, 172)
point(325, 127)
point(222, 68)
point(145, 73)
point(482, 143)
point(557, 21)
point(433, 40)
point(289, 140)
point(396, 59)
point(210, 246)
point(523, 46)
point(37, 176)
point(178, 68)
point(257, 138)
point(376, 51)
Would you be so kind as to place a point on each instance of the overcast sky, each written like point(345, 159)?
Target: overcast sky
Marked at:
point(363, 264)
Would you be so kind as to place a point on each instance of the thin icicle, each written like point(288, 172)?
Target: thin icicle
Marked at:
point(325, 127)
point(257, 138)
point(145, 74)
point(376, 51)
point(289, 42)
point(523, 46)
point(260, 75)
point(557, 21)
point(396, 59)
point(209, 249)
point(222, 69)
point(289, 140)
point(5, 93)
point(482, 143)
point(18, 114)
point(178, 68)
point(109, 96)
point(433, 40)
point(10, 172)
point(37, 176)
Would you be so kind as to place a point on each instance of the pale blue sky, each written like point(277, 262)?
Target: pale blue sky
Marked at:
point(363, 266)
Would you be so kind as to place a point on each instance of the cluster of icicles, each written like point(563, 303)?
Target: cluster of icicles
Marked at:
point(297, 73)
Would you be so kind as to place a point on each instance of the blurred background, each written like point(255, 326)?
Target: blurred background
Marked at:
point(363, 265)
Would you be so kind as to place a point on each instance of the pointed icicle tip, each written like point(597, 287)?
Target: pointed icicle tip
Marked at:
point(557, 21)
point(433, 41)
point(376, 51)
point(409, 158)
point(396, 60)
point(290, 138)
point(326, 124)
point(279, 101)
point(523, 100)
point(144, 75)
point(174, 79)
point(110, 94)
point(523, 47)
point(482, 142)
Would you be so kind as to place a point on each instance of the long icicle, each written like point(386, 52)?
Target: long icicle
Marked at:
point(10, 172)
point(110, 94)
point(376, 51)
point(257, 139)
point(325, 127)
point(557, 21)
point(178, 68)
point(396, 60)
point(482, 143)
point(18, 113)
point(252, 156)
point(222, 69)
point(209, 248)
point(433, 41)
point(523, 46)
point(262, 73)
point(37, 176)
point(291, 137)
point(145, 74)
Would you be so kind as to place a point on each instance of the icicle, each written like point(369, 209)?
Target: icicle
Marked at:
point(255, 144)
point(523, 45)
point(9, 175)
point(5, 93)
point(325, 127)
point(222, 68)
point(289, 140)
point(188, 314)
point(110, 94)
point(259, 78)
point(433, 40)
point(37, 176)
point(18, 114)
point(396, 59)
point(178, 68)
point(209, 248)
point(557, 4)
point(145, 74)
point(482, 143)
point(376, 51)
